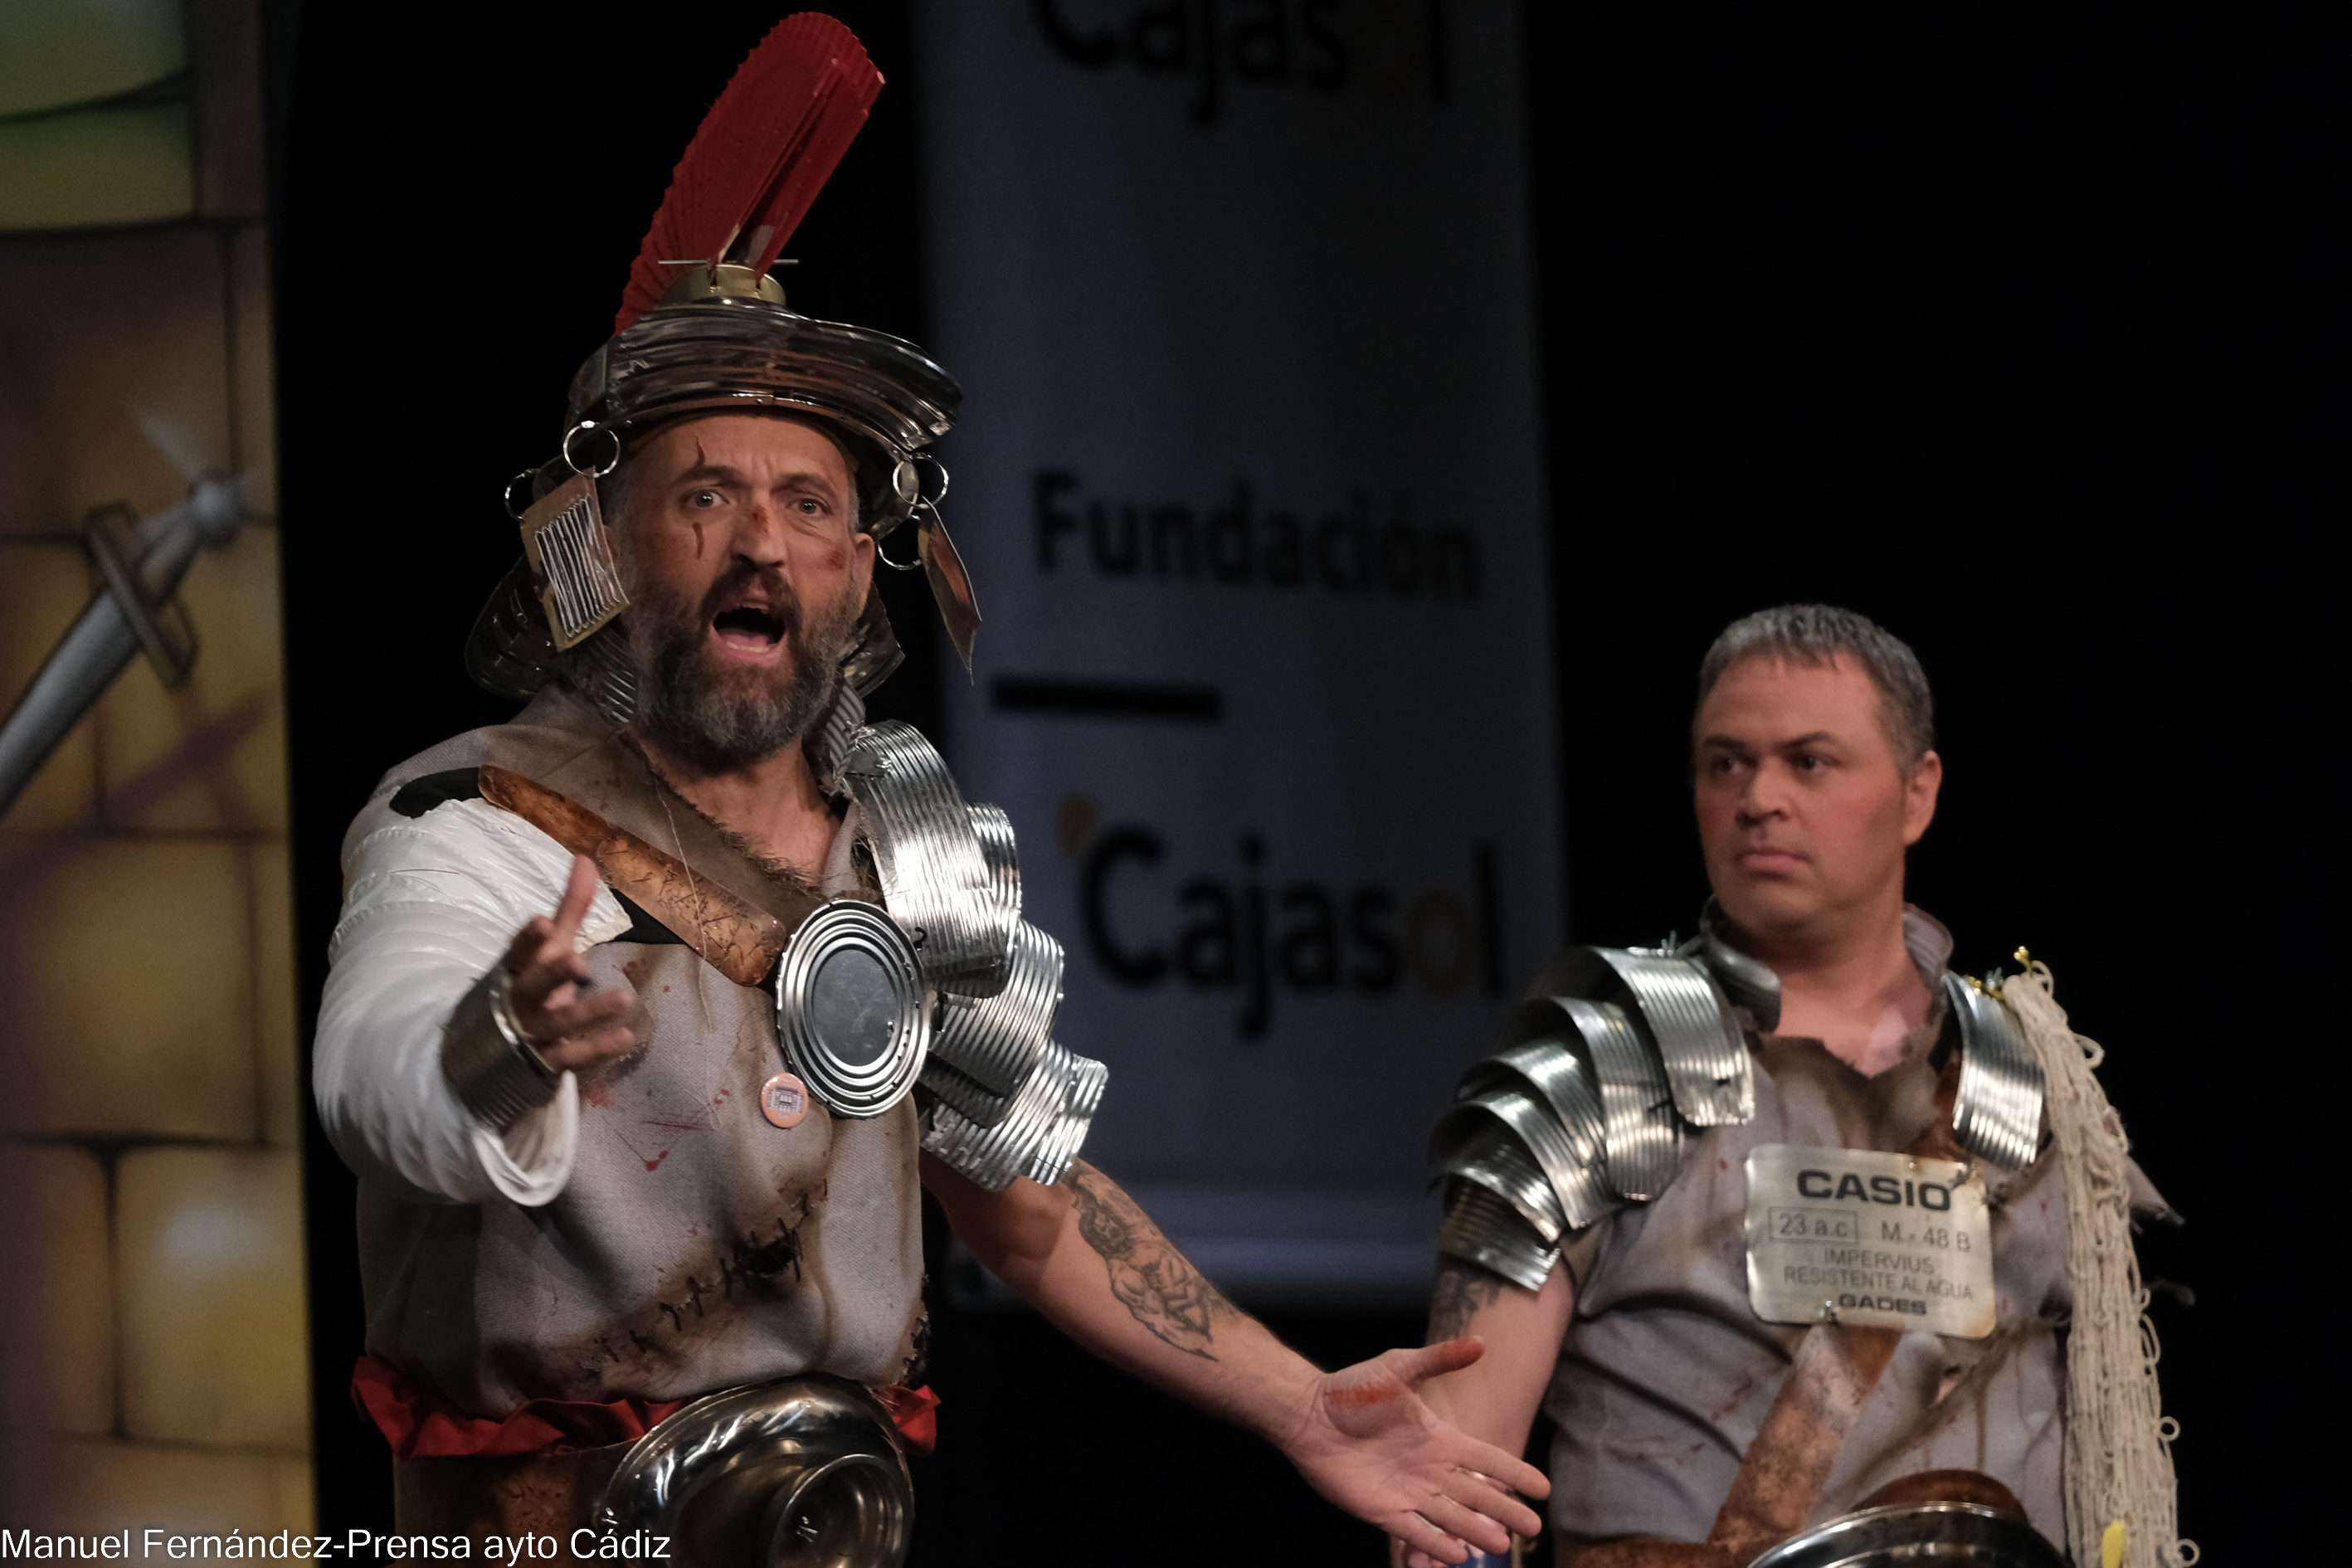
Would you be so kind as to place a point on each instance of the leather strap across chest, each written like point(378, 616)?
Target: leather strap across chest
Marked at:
point(740, 941)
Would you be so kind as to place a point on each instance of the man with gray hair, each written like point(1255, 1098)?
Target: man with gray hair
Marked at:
point(1814, 635)
point(1773, 1223)
point(654, 1011)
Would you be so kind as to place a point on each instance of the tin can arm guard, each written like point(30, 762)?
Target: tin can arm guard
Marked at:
point(1585, 1101)
point(496, 1072)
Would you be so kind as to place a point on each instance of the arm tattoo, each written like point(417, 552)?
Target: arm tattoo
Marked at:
point(1150, 1277)
point(1464, 1290)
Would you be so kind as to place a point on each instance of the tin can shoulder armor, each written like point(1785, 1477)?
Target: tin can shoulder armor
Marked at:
point(944, 986)
point(1617, 1056)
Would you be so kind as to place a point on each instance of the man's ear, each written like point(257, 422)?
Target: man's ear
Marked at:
point(1919, 792)
point(862, 549)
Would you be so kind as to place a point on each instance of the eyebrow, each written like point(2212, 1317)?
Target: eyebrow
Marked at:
point(721, 473)
point(1726, 743)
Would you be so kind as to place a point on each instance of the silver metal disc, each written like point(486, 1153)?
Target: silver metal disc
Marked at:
point(800, 1470)
point(1946, 1534)
point(852, 1010)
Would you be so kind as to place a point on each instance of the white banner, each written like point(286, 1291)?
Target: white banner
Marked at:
point(1249, 486)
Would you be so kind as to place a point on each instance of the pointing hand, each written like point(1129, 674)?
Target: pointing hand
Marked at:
point(570, 1028)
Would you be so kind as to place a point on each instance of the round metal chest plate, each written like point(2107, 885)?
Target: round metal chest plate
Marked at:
point(851, 1008)
point(800, 1473)
point(1917, 1535)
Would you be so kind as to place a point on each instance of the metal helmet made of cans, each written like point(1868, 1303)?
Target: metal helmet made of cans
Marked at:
point(702, 330)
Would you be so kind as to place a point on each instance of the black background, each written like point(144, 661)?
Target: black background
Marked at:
point(2021, 334)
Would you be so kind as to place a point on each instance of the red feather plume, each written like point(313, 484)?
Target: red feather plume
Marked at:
point(763, 151)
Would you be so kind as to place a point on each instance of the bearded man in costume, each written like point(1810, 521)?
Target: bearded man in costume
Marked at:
point(653, 1011)
point(1813, 1250)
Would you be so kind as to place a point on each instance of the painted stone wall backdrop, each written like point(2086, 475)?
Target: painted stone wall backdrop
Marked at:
point(152, 1338)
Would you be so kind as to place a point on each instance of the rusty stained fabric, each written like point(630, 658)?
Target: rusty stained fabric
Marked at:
point(1834, 1371)
point(693, 1245)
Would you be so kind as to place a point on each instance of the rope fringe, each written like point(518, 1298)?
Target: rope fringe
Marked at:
point(2118, 1439)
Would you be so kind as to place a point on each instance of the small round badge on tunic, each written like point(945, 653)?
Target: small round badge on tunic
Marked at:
point(783, 1100)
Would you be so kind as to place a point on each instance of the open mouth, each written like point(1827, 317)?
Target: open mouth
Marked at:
point(747, 627)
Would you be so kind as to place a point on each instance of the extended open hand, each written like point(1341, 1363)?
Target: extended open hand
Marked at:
point(1369, 1443)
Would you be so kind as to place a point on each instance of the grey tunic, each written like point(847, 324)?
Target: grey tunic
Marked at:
point(692, 1246)
point(1666, 1374)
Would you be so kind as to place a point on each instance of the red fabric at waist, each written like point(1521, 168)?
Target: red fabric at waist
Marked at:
point(915, 1411)
point(420, 1423)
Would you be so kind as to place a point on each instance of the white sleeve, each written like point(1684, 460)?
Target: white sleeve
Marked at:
point(430, 904)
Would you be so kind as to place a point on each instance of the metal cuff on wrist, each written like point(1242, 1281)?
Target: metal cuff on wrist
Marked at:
point(489, 1063)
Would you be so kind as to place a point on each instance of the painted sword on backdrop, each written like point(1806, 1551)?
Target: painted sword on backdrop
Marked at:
point(136, 607)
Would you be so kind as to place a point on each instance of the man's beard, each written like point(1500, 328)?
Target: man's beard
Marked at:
point(726, 715)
